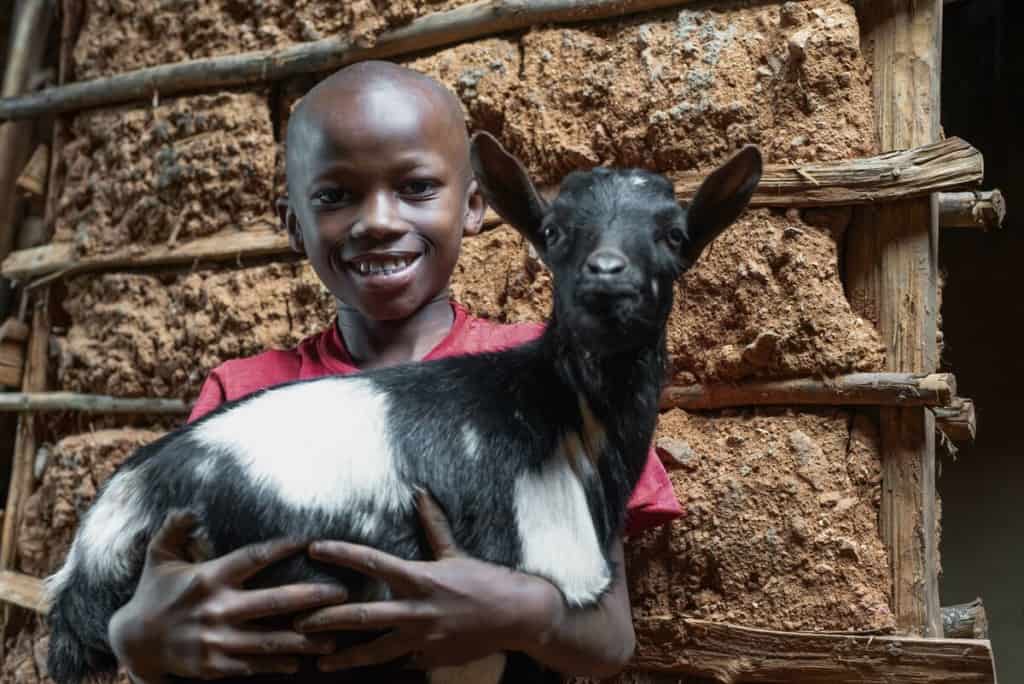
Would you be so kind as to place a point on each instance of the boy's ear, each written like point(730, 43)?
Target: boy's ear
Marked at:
point(476, 209)
point(507, 187)
point(290, 223)
point(721, 199)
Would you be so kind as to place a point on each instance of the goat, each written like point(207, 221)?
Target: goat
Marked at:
point(532, 453)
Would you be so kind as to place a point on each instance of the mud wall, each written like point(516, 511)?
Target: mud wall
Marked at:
point(781, 528)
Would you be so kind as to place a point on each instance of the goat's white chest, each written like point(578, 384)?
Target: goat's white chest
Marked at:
point(321, 446)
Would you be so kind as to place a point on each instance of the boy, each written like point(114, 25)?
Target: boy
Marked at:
point(380, 193)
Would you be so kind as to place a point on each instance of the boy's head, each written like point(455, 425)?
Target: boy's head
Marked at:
point(380, 188)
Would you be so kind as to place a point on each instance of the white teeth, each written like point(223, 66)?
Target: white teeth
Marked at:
point(386, 267)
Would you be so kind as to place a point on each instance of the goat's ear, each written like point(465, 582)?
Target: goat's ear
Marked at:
point(507, 187)
point(721, 199)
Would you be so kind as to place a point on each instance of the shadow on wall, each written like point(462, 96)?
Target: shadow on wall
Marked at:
point(983, 316)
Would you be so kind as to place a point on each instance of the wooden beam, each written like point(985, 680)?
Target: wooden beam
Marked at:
point(469, 22)
point(965, 621)
point(957, 421)
point(22, 590)
point(729, 653)
point(34, 402)
point(950, 163)
point(857, 389)
point(980, 210)
point(891, 278)
point(25, 441)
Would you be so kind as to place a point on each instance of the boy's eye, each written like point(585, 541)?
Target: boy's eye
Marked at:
point(329, 196)
point(418, 188)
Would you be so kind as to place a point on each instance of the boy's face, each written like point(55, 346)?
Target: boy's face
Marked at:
point(383, 194)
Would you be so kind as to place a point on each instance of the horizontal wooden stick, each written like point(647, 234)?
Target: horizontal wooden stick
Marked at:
point(729, 653)
point(958, 420)
point(784, 185)
point(982, 210)
point(22, 590)
point(858, 389)
point(89, 403)
point(464, 23)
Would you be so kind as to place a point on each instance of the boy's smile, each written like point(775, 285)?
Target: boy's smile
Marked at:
point(380, 185)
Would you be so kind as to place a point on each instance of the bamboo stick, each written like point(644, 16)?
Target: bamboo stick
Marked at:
point(957, 421)
point(947, 164)
point(858, 389)
point(982, 210)
point(468, 22)
point(33, 402)
point(730, 653)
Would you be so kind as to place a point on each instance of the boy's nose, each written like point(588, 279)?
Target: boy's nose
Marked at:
point(378, 216)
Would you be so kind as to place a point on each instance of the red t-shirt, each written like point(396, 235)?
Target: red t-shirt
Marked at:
point(653, 501)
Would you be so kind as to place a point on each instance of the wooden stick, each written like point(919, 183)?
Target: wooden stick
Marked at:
point(981, 210)
point(858, 389)
point(891, 279)
point(729, 653)
point(24, 57)
point(25, 442)
point(30, 402)
point(22, 590)
point(957, 420)
point(949, 163)
point(468, 22)
point(32, 179)
point(965, 621)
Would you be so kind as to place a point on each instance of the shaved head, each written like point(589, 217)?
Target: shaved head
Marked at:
point(405, 88)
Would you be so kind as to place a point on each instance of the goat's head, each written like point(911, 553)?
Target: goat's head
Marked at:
point(615, 240)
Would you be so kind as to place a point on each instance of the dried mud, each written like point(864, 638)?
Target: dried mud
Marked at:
point(781, 529)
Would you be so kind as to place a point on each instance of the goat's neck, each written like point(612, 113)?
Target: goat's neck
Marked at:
point(621, 389)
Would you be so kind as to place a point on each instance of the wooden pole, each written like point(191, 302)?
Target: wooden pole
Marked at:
point(468, 22)
point(23, 58)
point(25, 442)
point(891, 279)
point(950, 163)
point(957, 421)
point(857, 389)
point(981, 210)
point(965, 621)
point(34, 402)
point(730, 653)
point(22, 590)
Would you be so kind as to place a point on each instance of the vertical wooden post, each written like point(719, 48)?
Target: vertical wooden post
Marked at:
point(891, 278)
point(25, 442)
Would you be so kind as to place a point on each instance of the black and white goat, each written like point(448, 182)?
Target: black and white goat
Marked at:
point(531, 452)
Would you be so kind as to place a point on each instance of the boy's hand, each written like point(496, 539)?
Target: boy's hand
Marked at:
point(190, 619)
point(445, 612)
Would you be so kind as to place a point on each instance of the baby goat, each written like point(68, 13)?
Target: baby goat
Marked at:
point(532, 452)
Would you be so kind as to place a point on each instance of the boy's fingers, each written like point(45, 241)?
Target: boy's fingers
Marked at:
point(221, 665)
point(241, 564)
point(171, 540)
point(240, 642)
point(435, 526)
point(365, 616)
point(379, 651)
point(396, 573)
point(241, 606)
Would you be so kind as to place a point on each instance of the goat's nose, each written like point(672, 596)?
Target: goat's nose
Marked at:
point(605, 262)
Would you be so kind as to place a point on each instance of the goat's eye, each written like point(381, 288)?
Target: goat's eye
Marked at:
point(550, 234)
point(675, 236)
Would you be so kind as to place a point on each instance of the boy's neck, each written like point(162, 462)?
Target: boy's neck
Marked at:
point(377, 344)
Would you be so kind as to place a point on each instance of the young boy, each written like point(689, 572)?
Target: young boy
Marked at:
point(380, 194)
